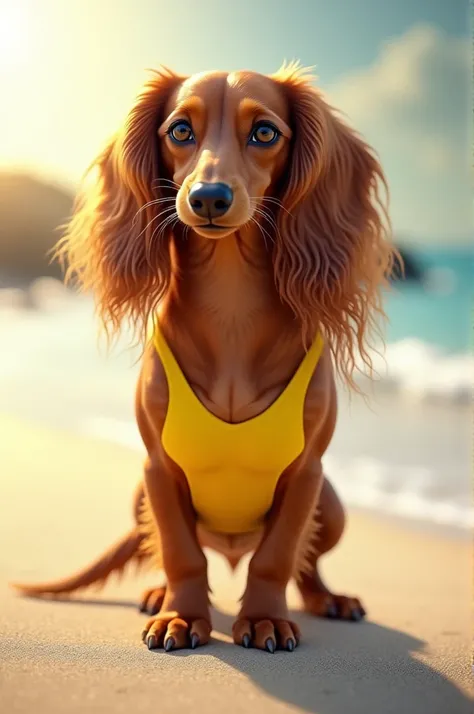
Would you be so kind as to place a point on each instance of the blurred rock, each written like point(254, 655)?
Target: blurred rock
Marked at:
point(13, 299)
point(31, 212)
point(412, 272)
point(46, 293)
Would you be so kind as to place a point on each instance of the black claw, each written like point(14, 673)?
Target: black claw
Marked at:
point(151, 642)
point(290, 645)
point(270, 645)
point(142, 607)
point(356, 615)
point(169, 644)
point(331, 611)
point(194, 641)
point(246, 641)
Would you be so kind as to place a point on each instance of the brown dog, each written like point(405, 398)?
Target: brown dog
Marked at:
point(242, 218)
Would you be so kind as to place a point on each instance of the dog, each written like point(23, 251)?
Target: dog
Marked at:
point(240, 226)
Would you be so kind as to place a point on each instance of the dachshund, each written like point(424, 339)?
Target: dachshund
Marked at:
point(239, 226)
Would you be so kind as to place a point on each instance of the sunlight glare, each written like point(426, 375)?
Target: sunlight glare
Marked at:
point(13, 34)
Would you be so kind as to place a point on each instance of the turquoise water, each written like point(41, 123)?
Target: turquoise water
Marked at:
point(441, 313)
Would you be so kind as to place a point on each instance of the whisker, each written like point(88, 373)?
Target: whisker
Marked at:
point(263, 231)
point(273, 200)
point(158, 232)
point(252, 220)
point(155, 202)
point(265, 214)
point(166, 219)
point(266, 233)
point(268, 217)
point(158, 215)
point(172, 184)
point(160, 229)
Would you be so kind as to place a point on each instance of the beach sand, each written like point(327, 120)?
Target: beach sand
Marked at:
point(65, 498)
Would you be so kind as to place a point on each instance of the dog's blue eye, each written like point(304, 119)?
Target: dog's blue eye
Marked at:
point(181, 132)
point(264, 134)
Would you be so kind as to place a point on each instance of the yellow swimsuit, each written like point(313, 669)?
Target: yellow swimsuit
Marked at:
point(233, 469)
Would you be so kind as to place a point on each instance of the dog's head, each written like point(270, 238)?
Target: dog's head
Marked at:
point(225, 143)
point(216, 153)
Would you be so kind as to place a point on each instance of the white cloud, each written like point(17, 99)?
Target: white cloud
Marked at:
point(413, 105)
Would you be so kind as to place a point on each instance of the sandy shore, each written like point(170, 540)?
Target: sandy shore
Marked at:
point(65, 498)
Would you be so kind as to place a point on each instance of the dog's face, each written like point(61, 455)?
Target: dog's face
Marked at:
point(224, 142)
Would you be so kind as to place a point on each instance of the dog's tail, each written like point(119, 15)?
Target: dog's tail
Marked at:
point(114, 560)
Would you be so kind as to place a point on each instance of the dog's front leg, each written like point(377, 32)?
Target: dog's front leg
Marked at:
point(264, 619)
point(184, 618)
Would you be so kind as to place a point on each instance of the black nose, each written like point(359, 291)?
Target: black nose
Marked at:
point(210, 200)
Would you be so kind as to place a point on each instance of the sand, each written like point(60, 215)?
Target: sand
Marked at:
point(64, 498)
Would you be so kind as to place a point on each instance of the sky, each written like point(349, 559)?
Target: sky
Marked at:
point(400, 71)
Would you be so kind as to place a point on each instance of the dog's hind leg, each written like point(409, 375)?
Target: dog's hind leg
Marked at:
point(317, 598)
point(152, 598)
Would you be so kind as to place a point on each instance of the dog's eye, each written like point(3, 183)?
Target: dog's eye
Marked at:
point(181, 132)
point(264, 134)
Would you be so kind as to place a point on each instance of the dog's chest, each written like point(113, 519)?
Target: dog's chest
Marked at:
point(232, 469)
point(234, 398)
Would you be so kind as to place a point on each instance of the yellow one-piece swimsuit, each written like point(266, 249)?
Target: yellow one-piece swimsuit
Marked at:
point(233, 468)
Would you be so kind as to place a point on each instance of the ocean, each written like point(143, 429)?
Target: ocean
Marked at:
point(440, 312)
point(405, 453)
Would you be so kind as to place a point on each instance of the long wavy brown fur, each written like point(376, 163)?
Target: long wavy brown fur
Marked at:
point(331, 256)
point(111, 247)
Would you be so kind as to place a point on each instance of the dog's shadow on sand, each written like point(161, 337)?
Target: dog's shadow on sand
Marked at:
point(339, 668)
point(347, 668)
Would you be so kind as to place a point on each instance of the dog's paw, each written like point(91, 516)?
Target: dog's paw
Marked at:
point(170, 631)
point(152, 600)
point(266, 634)
point(336, 607)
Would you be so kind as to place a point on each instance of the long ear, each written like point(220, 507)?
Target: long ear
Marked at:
point(118, 242)
point(331, 256)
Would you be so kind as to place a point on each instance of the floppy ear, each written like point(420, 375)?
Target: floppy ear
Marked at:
point(331, 256)
point(118, 242)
